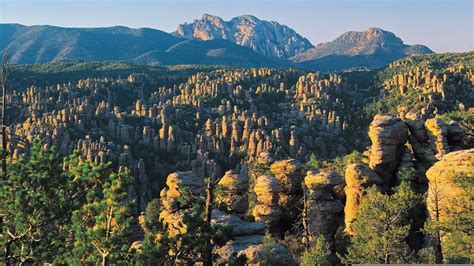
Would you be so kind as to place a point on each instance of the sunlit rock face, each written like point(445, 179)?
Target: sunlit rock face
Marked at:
point(268, 38)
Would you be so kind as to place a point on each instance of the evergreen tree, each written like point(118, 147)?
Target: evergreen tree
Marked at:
point(452, 237)
point(319, 254)
point(101, 226)
point(382, 226)
point(37, 203)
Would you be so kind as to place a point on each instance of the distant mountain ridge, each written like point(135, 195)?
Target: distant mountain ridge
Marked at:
point(372, 47)
point(268, 38)
point(243, 41)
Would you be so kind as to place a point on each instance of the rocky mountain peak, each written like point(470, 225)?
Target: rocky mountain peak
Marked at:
point(372, 42)
point(270, 39)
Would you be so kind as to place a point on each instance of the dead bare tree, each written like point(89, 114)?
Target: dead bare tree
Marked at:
point(436, 199)
point(3, 114)
point(211, 184)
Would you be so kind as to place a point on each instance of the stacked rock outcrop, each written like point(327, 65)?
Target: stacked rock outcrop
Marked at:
point(443, 178)
point(288, 173)
point(358, 178)
point(267, 210)
point(183, 190)
point(323, 209)
point(233, 192)
point(388, 135)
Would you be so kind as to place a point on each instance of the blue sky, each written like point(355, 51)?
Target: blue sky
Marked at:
point(442, 25)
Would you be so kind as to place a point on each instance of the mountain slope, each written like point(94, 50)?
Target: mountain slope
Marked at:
point(373, 47)
point(40, 44)
point(268, 38)
point(212, 52)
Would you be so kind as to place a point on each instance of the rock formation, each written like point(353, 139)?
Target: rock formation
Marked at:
point(442, 177)
point(184, 188)
point(267, 210)
point(232, 192)
point(358, 178)
point(268, 38)
point(323, 209)
point(288, 174)
point(388, 135)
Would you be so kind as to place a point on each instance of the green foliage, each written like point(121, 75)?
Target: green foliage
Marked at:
point(267, 256)
point(382, 226)
point(319, 254)
point(466, 120)
point(340, 163)
point(406, 175)
point(313, 162)
point(38, 201)
point(152, 214)
point(160, 247)
point(456, 230)
point(102, 225)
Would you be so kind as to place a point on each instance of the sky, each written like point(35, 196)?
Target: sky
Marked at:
point(442, 25)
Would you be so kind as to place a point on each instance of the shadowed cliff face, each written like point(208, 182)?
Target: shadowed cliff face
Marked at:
point(268, 38)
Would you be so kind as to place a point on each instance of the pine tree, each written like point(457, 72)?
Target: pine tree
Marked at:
point(101, 226)
point(382, 226)
point(319, 254)
point(452, 237)
point(37, 204)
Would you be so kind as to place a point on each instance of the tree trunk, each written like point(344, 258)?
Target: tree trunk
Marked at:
point(105, 260)
point(305, 221)
point(208, 215)
point(437, 247)
point(7, 253)
point(3, 125)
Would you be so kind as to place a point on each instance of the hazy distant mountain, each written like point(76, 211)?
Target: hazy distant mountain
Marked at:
point(268, 38)
point(41, 44)
point(244, 41)
point(373, 47)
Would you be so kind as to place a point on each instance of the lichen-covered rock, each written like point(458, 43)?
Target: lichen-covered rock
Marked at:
point(323, 208)
point(455, 135)
point(321, 179)
point(267, 190)
point(182, 191)
point(265, 158)
point(288, 173)
point(358, 178)
point(184, 185)
point(442, 180)
point(232, 192)
point(388, 135)
point(278, 253)
point(438, 133)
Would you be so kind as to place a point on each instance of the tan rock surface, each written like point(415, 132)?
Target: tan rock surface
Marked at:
point(358, 178)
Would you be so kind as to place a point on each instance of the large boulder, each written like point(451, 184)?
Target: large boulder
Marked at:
point(442, 180)
point(238, 226)
point(388, 135)
point(184, 188)
point(446, 196)
point(267, 190)
point(232, 192)
point(358, 178)
point(276, 253)
point(438, 136)
point(323, 208)
point(288, 173)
